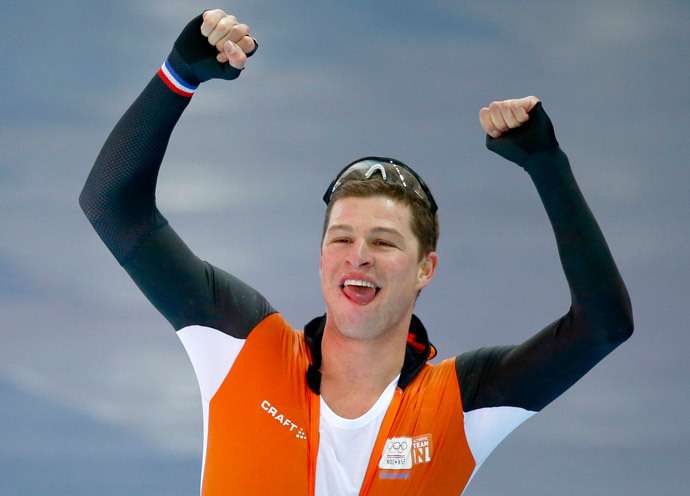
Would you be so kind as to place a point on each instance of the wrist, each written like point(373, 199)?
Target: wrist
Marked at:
point(178, 75)
point(548, 162)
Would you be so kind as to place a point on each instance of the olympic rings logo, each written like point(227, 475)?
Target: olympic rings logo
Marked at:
point(398, 446)
point(402, 453)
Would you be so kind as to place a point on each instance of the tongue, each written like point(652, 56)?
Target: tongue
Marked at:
point(360, 294)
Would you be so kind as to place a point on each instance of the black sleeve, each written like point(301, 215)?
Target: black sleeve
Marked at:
point(119, 201)
point(534, 373)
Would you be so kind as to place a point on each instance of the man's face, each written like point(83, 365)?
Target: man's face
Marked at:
point(370, 273)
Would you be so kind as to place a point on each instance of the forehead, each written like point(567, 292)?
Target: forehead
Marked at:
point(371, 212)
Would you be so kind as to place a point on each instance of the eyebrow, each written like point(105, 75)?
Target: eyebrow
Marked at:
point(376, 230)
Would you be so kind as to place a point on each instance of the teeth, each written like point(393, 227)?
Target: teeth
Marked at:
point(356, 282)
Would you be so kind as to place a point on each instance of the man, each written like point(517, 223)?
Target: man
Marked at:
point(349, 406)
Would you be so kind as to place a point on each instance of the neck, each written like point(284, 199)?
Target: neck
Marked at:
point(354, 372)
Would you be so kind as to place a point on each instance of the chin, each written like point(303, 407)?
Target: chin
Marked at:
point(364, 326)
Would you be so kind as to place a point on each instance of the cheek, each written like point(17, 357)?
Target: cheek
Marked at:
point(402, 271)
point(326, 265)
point(323, 269)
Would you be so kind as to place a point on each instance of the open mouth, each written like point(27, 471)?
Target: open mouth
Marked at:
point(359, 291)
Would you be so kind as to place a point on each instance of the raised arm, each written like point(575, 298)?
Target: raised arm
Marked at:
point(119, 195)
point(531, 375)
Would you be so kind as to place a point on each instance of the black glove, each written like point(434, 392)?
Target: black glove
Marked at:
point(194, 58)
point(534, 136)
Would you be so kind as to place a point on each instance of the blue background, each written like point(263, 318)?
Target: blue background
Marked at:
point(97, 395)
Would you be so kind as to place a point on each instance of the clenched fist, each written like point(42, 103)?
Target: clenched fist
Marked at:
point(230, 38)
point(500, 117)
point(517, 129)
point(212, 46)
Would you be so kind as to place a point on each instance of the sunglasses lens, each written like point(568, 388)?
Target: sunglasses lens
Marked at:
point(388, 170)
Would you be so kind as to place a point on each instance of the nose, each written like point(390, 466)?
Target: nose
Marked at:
point(359, 254)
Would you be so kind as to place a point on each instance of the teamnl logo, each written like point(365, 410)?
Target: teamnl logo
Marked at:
point(400, 453)
point(284, 421)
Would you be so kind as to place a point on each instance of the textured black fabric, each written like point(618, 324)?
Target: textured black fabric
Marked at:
point(189, 291)
point(119, 195)
point(119, 201)
point(534, 373)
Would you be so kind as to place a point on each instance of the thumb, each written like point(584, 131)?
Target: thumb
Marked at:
point(234, 54)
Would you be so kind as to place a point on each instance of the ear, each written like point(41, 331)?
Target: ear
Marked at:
point(427, 269)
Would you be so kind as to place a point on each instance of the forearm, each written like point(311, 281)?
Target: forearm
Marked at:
point(534, 373)
point(119, 195)
point(599, 297)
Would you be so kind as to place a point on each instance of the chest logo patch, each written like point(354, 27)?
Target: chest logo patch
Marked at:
point(401, 453)
point(283, 420)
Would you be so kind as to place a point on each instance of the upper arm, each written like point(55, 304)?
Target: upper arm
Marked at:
point(189, 291)
point(536, 372)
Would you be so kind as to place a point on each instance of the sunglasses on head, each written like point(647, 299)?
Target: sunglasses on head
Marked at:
point(389, 170)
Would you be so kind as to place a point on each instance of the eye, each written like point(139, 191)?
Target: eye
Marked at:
point(383, 242)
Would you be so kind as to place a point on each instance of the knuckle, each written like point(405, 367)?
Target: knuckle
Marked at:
point(214, 15)
point(226, 24)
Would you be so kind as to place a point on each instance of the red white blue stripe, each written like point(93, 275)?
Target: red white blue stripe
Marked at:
point(174, 81)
